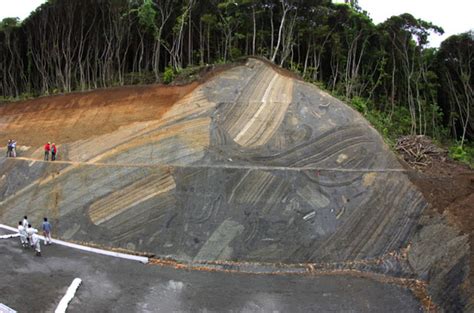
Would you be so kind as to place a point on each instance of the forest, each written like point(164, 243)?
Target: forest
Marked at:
point(386, 71)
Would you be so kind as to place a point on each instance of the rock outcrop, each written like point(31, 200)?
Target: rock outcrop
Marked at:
point(252, 165)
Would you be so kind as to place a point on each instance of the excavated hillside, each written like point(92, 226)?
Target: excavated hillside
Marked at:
point(250, 166)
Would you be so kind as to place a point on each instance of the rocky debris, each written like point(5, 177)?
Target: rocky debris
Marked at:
point(419, 151)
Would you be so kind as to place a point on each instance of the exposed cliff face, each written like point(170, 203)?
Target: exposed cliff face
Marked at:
point(249, 166)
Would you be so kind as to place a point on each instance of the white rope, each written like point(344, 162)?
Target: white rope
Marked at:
point(141, 259)
point(71, 291)
point(9, 236)
point(227, 166)
point(5, 309)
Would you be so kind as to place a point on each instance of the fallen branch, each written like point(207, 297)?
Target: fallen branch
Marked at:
point(419, 151)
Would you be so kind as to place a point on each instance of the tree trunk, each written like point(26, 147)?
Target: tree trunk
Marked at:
point(285, 8)
point(254, 30)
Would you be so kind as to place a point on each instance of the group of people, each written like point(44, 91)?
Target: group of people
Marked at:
point(29, 236)
point(11, 148)
point(50, 148)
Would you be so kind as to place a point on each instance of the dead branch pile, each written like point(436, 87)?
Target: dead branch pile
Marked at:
point(419, 151)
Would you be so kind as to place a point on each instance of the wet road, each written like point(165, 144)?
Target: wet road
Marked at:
point(29, 283)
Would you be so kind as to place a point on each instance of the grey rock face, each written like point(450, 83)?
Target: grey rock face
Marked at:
point(251, 166)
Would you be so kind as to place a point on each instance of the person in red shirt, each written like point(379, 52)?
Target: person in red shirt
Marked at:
point(54, 150)
point(47, 148)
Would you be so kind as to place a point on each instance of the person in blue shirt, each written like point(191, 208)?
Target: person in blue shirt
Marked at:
point(47, 232)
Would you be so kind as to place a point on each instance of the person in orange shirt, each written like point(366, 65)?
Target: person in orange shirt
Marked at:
point(47, 148)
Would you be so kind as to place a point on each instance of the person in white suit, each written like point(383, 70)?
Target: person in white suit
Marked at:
point(23, 235)
point(35, 240)
point(30, 231)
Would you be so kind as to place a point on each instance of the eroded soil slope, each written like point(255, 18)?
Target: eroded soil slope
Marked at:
point(71, 117)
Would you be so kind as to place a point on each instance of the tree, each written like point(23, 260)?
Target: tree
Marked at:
point(407, 37)
point(456, 57)
point(286, 6)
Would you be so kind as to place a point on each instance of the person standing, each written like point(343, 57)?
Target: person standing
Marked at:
point(9, 148)
point(47, 232)
point(25, 222)
point(36, 244)
point(54, 150)
point(25, 227)
point(30, 231)
point(22, 233)
point(47, 148)
point(13, 154)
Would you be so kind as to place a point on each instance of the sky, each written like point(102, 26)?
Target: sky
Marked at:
point(18, 8)
point(454, 16)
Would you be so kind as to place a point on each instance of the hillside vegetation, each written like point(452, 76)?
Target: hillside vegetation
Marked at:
point(386, 71)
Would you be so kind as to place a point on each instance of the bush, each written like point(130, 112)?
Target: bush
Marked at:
point(235, 53)
point(168, 75)
point(359, 104)
point(389, 126)
point(464, 154)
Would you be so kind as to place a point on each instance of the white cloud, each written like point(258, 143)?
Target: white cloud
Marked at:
point(18, 8)
point(453, 16)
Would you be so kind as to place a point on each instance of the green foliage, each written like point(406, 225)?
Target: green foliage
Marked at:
point(135, 78)
point(400, 121)
point(147, 16)
point(359, 104)
point(463, 153)
point(221, 61)
point(23, 96)
point(209, 19)
point(9, 22)
point(390, 125)
point(296, 68)
point(168, 75)
point(235, 53)
point(457, 152)
point(188, 74)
